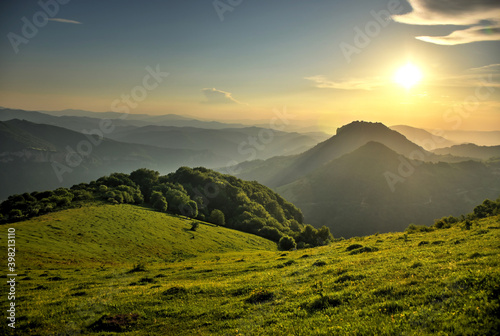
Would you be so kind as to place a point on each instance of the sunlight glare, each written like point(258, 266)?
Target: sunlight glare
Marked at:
point(408, 75)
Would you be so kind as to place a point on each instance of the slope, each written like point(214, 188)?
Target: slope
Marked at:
point(348, 138)
point(238, 144)
point(45, 157)
point(471, 150)
point(422, 137)
point(415, 283)
point(123, 234)
point(374, 189)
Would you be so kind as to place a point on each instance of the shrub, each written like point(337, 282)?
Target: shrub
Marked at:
point(194, 225)
point(412, 228)
point(260, 296)
point(287, 243)
point(15, 214)
point(115, 323)
point(217, 217)
point(353, 247)
point(140, 267)
point(468, 224)
point(270, 233)
point(445, 222)
point(175, 290)
point(323, 302)
point(364, 249)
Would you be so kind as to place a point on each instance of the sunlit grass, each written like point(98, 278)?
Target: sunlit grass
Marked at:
point(402, 287)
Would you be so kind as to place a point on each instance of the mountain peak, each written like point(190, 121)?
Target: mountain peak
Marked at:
point(362, 126)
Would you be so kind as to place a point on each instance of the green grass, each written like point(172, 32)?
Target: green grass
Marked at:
point(391, 286)
point(117, 234)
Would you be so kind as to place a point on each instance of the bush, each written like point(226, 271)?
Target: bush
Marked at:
point(287, 243)
point(353, 247)
point(217, 217)
point(15, 214)
point(412, 228)
point(140, 267)
point(270, 233)
point(323, 302)
point(260, 296)
point(194, 226)
point(445, 222)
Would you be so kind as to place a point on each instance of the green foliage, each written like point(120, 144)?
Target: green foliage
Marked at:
point(287, 243)
point(412, 228)
point(158, 201)
point(194, 225)
point(309, 236)
point(488, 208)
point(145, 179)
point(445, 222)
point(227, 282)
point(217, 217)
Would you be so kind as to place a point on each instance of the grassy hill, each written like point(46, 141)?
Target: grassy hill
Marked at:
point(120, 234)
point(76, 275)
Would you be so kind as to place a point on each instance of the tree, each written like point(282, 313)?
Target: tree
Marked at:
point(158, 201)
point(287, 243)
point(190, 209)
point(15, 214)
point(145, 179)
point(270, 233)
point(217, 217)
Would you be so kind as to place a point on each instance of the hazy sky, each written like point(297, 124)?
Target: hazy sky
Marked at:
point(329, 62)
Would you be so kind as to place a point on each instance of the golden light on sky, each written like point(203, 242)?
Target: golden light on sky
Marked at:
point(408, 75)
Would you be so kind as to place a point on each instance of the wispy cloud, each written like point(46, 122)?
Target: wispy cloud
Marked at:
point(366, 84)
point(215, 96)
point(64, 21)
point(488, 76)
point(482, 17)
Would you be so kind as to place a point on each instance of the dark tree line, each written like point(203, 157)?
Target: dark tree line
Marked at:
point(197, 193)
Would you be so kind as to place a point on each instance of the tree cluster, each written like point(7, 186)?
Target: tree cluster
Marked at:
point(197, 193)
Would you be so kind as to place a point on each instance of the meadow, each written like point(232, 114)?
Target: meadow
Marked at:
point(129, 270)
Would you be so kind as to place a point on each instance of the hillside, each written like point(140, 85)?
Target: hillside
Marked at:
point(44, 157)
point(363, 192)
point(422, 137)
point(422, 282)
point(121, 234)
point(471, 150)
point(480, 138)
point(234, 143)
point(280, 171)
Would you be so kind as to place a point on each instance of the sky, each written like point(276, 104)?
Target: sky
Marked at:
point(326, 63)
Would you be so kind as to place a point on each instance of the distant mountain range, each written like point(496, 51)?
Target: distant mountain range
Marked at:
point(279, 171)
point(369, 178)
point(236, 142)
point(472, 151)
point(423, 138)
point(432, 139)
point(29, 147)
point(239, 144)
point(364, 179)
point(40, 157)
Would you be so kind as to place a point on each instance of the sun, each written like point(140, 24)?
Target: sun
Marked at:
point(408, 75)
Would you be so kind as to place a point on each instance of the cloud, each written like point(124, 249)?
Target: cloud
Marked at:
point(482, 17)
point(215, 96)
point(485, 76)
point(64, 21)
point(351, 84)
